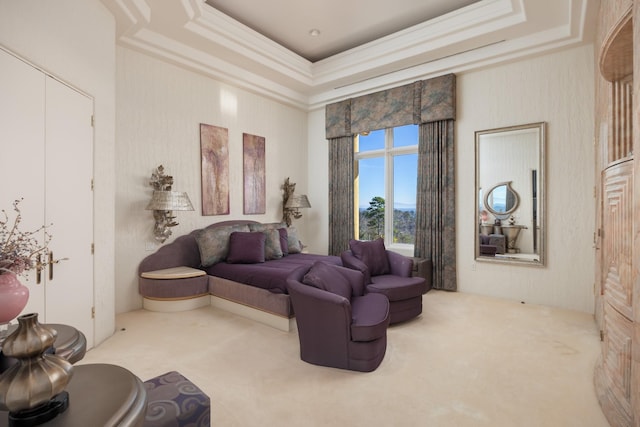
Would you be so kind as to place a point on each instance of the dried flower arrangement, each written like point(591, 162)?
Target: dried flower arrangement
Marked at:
point(19, 249)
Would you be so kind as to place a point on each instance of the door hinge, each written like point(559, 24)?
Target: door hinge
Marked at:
point(92, 184)
point(93, 312)
point(93, 248)
point(601, 335)
point(93, 121)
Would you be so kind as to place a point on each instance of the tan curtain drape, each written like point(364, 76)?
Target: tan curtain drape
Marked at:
point(430, 103)
point(435, 202)
point(341, 175)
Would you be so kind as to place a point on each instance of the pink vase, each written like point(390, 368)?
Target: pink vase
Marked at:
point(13, 297)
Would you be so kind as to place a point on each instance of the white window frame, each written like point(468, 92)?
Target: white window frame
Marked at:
point(388, 152)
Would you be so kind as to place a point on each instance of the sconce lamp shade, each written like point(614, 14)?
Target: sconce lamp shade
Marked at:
point(298, 202)
point(169, 201)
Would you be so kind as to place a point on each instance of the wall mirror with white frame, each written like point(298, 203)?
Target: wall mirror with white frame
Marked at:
point(510, 194)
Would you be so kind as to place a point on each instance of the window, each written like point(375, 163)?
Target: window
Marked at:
point(386, 171)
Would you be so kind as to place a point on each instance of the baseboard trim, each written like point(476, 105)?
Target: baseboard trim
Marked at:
point(278, 322)
point(175, 305)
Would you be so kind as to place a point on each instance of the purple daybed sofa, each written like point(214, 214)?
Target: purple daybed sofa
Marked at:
point(259, 285)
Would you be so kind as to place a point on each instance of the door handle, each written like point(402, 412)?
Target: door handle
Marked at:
point(51, 262)
point(39, 268)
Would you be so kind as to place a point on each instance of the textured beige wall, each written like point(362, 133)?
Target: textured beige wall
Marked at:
point(160, 106)
point(159, 110)
point(557, 89)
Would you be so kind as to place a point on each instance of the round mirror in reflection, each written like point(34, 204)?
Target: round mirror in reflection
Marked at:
point(501, 200)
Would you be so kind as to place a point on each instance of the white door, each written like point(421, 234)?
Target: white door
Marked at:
point(69, 207)
point(46, 133)
point(22, 168)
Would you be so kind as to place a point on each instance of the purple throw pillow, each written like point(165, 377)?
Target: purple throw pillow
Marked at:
point(373, 254)
point(284, 241)
point(246, 247)
point(324, 276)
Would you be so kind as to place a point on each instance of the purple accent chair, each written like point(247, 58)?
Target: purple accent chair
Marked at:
point(387, 273)
point(338, 325)
point(486, 248)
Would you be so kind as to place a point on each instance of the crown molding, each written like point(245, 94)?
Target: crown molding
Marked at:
point(193, 35)
point(219, 29)
point(437, 38)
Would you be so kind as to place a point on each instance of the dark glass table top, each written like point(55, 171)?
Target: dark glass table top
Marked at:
point(100, 395)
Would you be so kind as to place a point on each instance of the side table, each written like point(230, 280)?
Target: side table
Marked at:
point(100, 395)
point(423, 267)
point(174, 289)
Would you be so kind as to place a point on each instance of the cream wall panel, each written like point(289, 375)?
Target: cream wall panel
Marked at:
point(75, 41)
point(557, 89)
point(317, 236)
point(159, 110)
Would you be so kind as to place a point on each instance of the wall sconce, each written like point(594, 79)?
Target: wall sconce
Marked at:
point(292, 204)
point(164, 202)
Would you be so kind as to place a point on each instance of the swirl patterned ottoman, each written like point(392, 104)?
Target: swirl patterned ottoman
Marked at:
point(177, 402)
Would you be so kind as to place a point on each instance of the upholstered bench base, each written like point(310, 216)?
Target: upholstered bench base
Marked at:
point(174, 401)
point(173, 283)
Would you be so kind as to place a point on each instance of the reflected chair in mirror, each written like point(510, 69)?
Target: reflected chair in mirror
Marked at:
point(492, 244)
point(486, 248)
point(388, 273)
point(339, 326)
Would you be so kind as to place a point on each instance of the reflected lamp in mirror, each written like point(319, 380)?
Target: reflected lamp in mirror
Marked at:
point(510, 194)
point(293, 205)
point(163, 203)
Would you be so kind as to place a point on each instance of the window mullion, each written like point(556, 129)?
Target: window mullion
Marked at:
point(369, 154)
point(388, 212)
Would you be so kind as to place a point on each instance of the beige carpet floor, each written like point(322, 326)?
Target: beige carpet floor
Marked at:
point(467, 360)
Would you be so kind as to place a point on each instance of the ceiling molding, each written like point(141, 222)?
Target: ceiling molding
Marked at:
point(469, 28)
point(218, 28)
point(172, 51)
point(191, 34)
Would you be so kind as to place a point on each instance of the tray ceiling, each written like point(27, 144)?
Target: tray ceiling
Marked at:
point(363, 46)
point(341, 25)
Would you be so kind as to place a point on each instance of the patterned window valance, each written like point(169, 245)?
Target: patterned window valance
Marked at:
point(423, 101)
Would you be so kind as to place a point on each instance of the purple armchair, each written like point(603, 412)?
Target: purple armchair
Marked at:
point(338, 325)
point(387, 273)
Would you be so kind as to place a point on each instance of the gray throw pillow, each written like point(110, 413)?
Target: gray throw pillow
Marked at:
point(266, 226)
point(213, 243)
point(272, 246)
point(293, 241)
